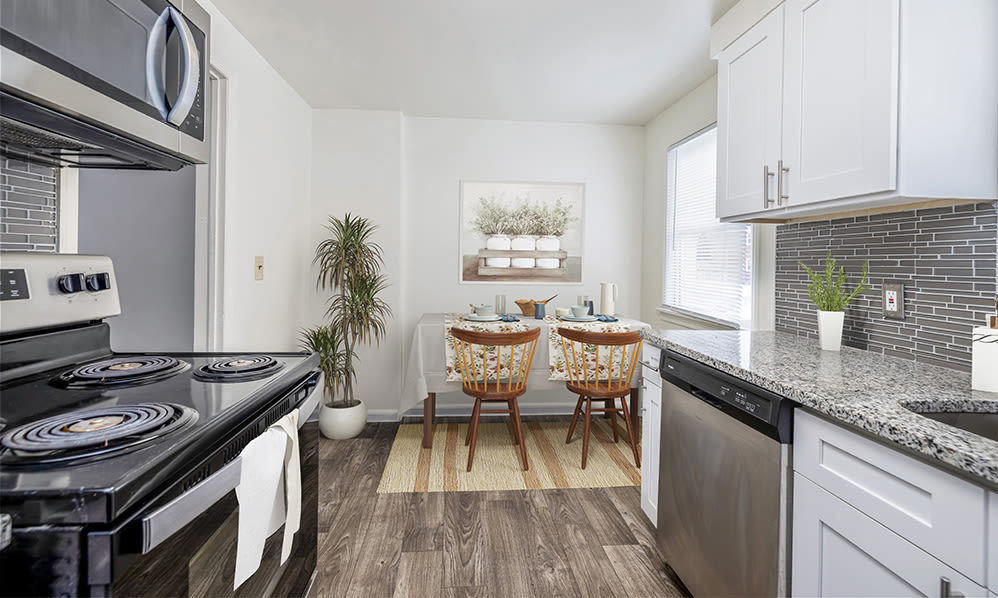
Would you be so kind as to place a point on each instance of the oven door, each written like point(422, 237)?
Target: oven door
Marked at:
point(187, 547)
point(136, 67)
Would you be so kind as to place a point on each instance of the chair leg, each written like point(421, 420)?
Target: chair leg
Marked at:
point(575, 418)
point(474, 431)
point(585, 432)
point(519, 431)
point(630, 433)
point(613, 417)
point(474, 415)
point(512, 424)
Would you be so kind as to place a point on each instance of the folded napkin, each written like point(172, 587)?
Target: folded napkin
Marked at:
point(605, 318)
point(269, 494)
point(509, 318)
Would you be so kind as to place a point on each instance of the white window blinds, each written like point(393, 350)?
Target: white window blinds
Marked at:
point(708, 265)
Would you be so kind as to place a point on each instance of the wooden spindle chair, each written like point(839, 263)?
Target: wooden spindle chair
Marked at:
point(584, 351)
point(501, 381)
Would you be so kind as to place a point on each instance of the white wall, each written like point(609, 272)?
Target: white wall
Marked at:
point(439, 153)
point(356, 167)
point(267, 196)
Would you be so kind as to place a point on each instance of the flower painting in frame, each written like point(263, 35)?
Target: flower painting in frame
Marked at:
point(522, 232)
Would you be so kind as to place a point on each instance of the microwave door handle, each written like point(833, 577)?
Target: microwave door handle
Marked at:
point(155, 63)
point(192, 70)
point(174, 516)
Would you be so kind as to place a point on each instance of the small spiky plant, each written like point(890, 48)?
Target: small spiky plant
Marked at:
point(328, 343)
point(826, 288)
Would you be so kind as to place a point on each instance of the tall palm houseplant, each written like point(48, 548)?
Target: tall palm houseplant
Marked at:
point(349, 265)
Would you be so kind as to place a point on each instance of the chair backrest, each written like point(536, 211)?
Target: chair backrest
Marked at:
point(495, 356)
point(601, 361)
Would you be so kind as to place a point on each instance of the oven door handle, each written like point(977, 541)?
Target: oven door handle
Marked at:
point(172, 517)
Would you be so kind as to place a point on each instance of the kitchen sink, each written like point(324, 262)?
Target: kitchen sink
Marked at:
point(982, 424)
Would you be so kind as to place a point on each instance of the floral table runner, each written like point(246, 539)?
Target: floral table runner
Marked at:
point(557, 369)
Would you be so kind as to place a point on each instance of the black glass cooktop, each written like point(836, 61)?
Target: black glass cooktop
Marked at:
point(177, 419)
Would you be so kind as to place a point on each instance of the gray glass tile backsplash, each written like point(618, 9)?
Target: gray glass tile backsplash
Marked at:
point(29, 199)
point(944, 257)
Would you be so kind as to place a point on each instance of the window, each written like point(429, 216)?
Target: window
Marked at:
point(708, 265)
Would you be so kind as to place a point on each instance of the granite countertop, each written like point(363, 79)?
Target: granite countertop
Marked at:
point(856, 387)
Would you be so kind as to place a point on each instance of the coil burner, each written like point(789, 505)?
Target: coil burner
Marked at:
point(241, 368)
point(122, 371)
point(94, 432)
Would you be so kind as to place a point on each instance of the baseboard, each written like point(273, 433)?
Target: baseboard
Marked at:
point(382, 415)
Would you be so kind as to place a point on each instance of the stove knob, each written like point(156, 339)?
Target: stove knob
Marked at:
point(99, 282)
point(72, 283)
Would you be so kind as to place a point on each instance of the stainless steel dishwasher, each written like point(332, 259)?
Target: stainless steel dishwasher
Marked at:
point(724, 481)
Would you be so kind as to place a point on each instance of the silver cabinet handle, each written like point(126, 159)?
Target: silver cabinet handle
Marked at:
point(780, 196)
point(765, 185)
point(155, 67)
point(192, 70)
point(650, 366)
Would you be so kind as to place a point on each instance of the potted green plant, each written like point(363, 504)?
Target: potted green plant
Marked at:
point(492, 221)
point(328, 343)
point(827, 290)
point(350, 268)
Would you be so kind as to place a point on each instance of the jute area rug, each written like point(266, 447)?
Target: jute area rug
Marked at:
point(553, 464)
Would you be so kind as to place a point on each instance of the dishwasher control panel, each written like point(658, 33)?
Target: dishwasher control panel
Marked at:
point(717, 388)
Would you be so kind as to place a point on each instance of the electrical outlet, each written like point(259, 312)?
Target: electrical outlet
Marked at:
point(893, 295)
point(258, 267)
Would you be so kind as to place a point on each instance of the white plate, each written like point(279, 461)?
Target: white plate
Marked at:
point(574, 319)
point(477, 318)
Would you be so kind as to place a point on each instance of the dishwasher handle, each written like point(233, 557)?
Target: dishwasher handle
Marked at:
point(706, 398)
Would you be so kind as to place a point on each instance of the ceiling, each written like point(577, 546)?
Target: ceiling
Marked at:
point(544, 60)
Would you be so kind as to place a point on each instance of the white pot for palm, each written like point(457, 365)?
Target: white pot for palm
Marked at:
point(500, 242)
point(548, 243)
point(341, 420)
point(830, 329)
point(523, 243)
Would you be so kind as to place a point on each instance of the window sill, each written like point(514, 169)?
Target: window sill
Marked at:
point(674, 320)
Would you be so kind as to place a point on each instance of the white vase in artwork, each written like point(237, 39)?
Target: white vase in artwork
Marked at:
point(830, 329)
point(497, 242)
point(548, 243)
point(523, 243)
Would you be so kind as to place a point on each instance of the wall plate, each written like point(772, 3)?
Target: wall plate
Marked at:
point(893, 300)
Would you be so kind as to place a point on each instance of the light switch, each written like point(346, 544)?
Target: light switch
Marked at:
point(258, 267)
point(893, 301)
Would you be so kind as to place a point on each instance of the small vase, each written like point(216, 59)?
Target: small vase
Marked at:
point(830, 329)
point(523, 243)
point(500, 242)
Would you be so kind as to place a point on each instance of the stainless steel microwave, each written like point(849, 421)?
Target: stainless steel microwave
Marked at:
point(104, 83)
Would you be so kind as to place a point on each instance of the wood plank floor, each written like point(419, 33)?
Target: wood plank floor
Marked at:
point(523, 543)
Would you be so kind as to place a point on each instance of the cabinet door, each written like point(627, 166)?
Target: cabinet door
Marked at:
point(840, 104)
point(749, 94)
point(651, 430)
point(839, 551)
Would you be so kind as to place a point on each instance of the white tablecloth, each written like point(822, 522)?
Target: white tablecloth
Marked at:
point(425, 371)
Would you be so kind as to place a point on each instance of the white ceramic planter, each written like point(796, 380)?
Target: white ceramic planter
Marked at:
point(830, 329)
point(548, 243)
point(523, 243)
point(497, 242)
point(339, 423)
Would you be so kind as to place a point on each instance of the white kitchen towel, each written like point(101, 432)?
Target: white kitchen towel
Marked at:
point(269, 494)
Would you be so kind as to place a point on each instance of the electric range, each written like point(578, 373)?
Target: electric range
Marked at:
point(117, 467)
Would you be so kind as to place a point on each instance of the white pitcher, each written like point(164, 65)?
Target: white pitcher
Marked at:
point(607, 298)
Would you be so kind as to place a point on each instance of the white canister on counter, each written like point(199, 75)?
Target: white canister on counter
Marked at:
point(984, 375)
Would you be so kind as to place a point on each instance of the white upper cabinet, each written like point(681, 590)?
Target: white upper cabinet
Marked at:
point(749, 89)
point(883, 103)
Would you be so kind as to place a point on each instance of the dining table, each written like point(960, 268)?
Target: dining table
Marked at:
point(430, 367)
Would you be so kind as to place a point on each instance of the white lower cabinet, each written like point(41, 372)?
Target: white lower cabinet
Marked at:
point(651, 430)
point(839, 551)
